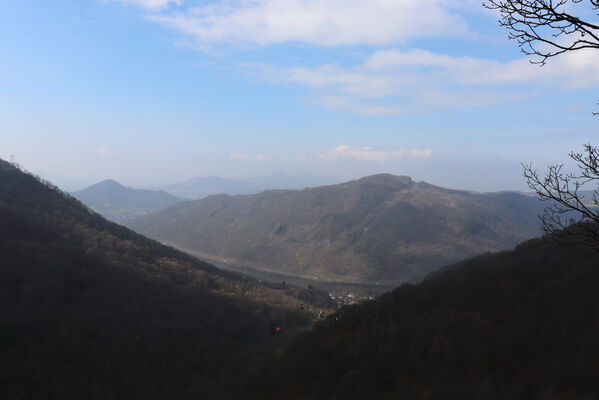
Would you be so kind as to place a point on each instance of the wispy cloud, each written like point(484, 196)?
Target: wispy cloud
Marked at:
point(476, 71)
point(370, 154)
point(102, 151)
point(240, 157)
point(393, 79)
point(247, 157)
point(317, 22)
point(154, 5)
point(416, 81)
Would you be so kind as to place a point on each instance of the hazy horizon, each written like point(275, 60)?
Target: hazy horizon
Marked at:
point(476, 175)
point(77, 185)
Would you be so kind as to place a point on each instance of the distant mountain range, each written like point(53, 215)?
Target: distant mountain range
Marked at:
point(379, 228)
point(119, 203)
point(201, 187)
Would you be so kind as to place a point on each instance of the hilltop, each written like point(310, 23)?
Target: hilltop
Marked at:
point(379, 228)
point(119, 203)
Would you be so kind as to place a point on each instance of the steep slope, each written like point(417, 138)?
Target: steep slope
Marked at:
point(515, 325)
point(118, 203)
point(379, 228)
point(90, 309)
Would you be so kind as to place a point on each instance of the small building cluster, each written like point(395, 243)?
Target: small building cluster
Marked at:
point(349, 299)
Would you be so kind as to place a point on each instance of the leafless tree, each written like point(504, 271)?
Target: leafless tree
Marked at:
point(547, 28)
point(573, 211)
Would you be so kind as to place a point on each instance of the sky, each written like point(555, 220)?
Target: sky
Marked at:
point(153, 92)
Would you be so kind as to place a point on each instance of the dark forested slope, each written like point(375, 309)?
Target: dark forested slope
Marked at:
point(89, 309)
point(522, 324)
point(379, 228)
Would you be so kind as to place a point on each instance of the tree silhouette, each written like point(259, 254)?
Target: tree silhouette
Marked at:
point(547, 28)
point(572, 212)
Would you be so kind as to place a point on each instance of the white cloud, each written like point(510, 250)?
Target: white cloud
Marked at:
point(421, 153)
point(154, 5)
point(400, 82)
point(369, 154)
point(247, 157)
point(102, 151)
point(240, 157)
point(388, 81)
point(317, 22)
point(473, 71)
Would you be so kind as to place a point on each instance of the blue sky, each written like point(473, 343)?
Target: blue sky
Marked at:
point(151, 92)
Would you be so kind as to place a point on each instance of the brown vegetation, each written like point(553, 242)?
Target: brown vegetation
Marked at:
point(379, 228)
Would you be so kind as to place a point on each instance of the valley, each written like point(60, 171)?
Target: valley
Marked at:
point(299, 200)
point(333, 287)
point(75, 283)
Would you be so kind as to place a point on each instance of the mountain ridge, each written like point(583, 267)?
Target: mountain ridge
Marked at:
point(380, 227)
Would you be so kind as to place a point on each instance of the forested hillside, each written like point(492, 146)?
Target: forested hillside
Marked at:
point(521, 324)
point(92, 310)
point(379, 228)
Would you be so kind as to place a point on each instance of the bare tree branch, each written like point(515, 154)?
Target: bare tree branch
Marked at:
point(545, 28)
point(570, 214)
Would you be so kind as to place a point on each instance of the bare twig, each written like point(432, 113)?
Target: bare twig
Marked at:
point(544, 28)
point(569, 212)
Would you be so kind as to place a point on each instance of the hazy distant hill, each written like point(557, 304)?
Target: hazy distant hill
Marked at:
point(379, 228)
point(90, 309)
point(520, 324)
point(201, 187)
point(118, 203)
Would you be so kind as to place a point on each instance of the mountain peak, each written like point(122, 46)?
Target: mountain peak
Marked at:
point(109, 183)
point(117, 202)
point(5, 164)
point(386, 179)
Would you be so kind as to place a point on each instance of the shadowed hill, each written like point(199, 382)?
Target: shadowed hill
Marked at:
point(90, 309)
point(521, 324)
point(118, 203)
point(379, 228)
